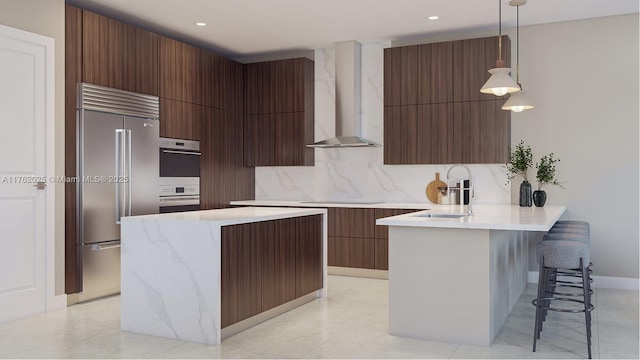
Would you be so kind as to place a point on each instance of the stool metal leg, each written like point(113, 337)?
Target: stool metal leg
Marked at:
point(587, 304)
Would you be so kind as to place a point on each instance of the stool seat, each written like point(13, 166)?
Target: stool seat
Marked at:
point(586, 238)
point(571, 223)
point(563, 254)
point(569, 229)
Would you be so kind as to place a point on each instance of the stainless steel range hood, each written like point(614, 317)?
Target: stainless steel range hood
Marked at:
point(348, 125)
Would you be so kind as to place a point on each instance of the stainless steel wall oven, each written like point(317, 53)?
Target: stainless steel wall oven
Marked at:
point(179, 175)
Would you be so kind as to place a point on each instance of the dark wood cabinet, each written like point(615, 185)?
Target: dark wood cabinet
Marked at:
point(351, 222)
point(434, 123)
point(103, 50)
point(269, 263)
point(73, 75)
point(179, 78)
point(181, 120)
point(308, 254)
point(492, 127)
point(400, 135)
point(118, 55)
point(279, 113)
point(351, 237)
point(400, 76)
point(349, 251)
point(435, 73)
point(450, 121)
point(241, 272)
point(141, 69)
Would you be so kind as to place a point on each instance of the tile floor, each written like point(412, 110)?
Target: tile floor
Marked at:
point(351, 323)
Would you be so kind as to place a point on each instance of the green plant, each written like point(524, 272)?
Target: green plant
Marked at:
point(546, 173)
point(520, 161)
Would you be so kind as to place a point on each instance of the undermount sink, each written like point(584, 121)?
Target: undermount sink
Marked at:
point(444, 216)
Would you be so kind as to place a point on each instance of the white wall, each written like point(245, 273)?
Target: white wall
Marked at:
point(583, 78)
point(46, 17)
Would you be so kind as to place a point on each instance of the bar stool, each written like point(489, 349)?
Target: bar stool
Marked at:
point(554, 255)
point(579, 223)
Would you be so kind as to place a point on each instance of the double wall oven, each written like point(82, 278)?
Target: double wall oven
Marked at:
point(179, 175)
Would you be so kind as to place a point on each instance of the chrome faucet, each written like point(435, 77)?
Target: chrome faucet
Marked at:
point(462, 188)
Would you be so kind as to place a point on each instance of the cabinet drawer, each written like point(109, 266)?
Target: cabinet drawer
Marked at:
point(352, 222)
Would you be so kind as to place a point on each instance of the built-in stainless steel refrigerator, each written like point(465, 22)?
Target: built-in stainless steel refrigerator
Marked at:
point(117, 168)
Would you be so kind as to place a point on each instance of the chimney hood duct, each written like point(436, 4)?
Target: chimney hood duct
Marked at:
point(348, 74)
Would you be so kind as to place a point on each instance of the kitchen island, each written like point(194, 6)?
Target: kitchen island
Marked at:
point(205, 275)
point(456, 278)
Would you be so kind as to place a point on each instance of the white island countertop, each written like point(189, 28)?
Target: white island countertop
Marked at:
point(494, 217)
point(234, 216)
point(329, 203)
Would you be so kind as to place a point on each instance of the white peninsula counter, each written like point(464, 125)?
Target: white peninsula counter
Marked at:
point(205, 275)
point(456, 279)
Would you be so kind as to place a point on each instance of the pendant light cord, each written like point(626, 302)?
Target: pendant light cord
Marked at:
point(518, 46)
point(499, 33)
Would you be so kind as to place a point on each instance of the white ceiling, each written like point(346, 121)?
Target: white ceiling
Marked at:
point(241, 28)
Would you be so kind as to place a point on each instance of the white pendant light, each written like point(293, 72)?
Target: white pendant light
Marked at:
point(500, 83)
point(518, 101)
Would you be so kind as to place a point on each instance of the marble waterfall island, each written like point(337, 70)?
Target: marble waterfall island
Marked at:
point(204, 275)
point(456, 278)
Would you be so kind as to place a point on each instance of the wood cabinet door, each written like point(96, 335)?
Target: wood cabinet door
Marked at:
point(179, 71)
point(485, 132)
point(241, 278)
point(167, 61)
point(400, 135)
point(181, 120)
point(435, 134)
point(73, 75)
point(308, 254)
point(103, 50)
point(351, 222)
point(276, 140)
point(141, 69)
point(435, 73)
point(349, 251)
point(258, 88)
point(401, 76)
point(278, 244)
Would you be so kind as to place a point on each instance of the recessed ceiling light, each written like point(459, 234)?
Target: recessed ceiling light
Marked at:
point(433, 17)
point(200, 23)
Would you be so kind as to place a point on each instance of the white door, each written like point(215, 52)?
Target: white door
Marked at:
point(23, 163)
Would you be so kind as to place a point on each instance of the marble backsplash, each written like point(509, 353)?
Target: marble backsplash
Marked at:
point(358, 174)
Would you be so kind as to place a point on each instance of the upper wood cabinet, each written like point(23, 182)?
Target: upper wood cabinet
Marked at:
point(278, 86)
point(279, 113)
point(119, 55)
point(435, 73)
point(449, 121)
point(485, 131)
point(182, 120)
point(103, 50)
point(191, 74)
point(141, 61)
point(400, 76)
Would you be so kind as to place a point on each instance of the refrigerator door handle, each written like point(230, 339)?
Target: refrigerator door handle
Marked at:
point(127, 178)
point(120, 203)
